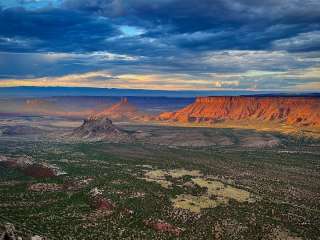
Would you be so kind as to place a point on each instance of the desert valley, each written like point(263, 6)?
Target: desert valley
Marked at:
point(243, 167)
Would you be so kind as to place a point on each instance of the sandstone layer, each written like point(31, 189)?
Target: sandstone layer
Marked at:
point(304, 111)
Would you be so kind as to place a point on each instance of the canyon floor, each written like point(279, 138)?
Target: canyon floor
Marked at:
point(171, 182)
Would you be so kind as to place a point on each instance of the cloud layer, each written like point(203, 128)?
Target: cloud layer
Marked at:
point(161, 44)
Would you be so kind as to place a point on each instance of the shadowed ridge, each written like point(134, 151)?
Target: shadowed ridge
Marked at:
point(121, 111)
point(96, 129)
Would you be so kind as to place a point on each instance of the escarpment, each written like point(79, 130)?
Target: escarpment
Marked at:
point(289, 110)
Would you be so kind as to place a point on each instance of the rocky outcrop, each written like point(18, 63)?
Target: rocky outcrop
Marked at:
point(30, 168)
point(39, 171)
point(122, 111)
point(162, 226)
point(9, 232)
point(99, 202)
point(304, 111)
point(98, 129)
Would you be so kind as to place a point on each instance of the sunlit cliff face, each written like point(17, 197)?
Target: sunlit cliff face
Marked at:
point(304, 111)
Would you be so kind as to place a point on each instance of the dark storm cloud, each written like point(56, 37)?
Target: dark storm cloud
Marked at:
point(183, 24)
point(207, 24)
point(52, 30)
point(183, 13)
point(245, 40)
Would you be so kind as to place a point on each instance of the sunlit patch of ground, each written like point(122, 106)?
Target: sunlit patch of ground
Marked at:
point(221, 190)
point(178, 173)
point(163, 183)
point(195, 203)
point(175, 173)
point(217, 193)
point(159, 176)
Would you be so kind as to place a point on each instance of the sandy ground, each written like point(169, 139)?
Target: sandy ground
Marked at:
point(175, 136)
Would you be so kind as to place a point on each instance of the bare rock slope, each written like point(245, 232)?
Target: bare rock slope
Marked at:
point(98, 129)
point(122, 111)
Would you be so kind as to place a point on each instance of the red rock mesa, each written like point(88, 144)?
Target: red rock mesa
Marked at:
point(303, 111)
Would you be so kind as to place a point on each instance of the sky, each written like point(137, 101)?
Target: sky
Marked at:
point(161, 44)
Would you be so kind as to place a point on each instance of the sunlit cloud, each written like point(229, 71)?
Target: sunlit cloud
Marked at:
point(99, 55)
point(306, 79)
point(105, 79)
point(169, 44)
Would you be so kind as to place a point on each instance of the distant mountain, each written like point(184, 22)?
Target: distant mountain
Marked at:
point(296, 110)
point(84, 106)
point(6, 92)
point(148, 104)
point(45, 106)
point(303, 94)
